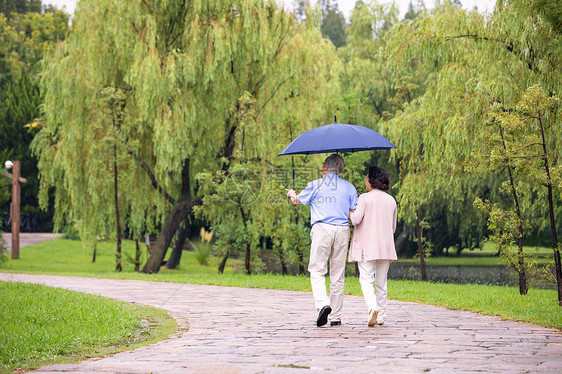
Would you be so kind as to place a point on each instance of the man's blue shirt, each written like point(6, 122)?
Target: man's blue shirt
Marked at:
point(331, 198)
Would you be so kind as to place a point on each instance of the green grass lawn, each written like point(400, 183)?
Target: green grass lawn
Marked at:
point(66, 257)
point(44, 325)
point(63, 256)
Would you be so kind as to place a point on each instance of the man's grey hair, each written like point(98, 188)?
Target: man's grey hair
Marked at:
point(334, 163)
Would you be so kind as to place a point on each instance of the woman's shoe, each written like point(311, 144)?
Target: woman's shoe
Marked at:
point(373, 313)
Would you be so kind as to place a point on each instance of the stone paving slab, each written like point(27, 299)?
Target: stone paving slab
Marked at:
point(239, 330)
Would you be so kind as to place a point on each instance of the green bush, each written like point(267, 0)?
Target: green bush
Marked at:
point(202, 251)
point(71, 233)
point(3, 249)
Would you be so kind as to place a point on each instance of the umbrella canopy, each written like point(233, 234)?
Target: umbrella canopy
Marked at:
point(337, 137)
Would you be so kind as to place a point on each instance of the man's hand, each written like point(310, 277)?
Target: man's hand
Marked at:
point(292, 195)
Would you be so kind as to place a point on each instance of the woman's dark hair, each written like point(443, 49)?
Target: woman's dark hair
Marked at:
point(378, 178)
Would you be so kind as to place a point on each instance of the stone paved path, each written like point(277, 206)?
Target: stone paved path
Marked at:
point(28, 238)
point(236, 330)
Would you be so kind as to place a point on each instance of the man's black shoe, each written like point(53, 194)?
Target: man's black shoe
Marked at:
point(323, 316)
point(335, 322)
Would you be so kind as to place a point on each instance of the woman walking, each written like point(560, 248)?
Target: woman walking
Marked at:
point(372, 246)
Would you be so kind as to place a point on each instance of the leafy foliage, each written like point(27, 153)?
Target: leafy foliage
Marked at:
point(333, 25)
point(21, 102)
point(25, 37)
point(20, 6)
point(180, 89)
point(469, 56)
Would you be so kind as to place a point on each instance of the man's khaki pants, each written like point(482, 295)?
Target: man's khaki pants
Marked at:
point(328, 242)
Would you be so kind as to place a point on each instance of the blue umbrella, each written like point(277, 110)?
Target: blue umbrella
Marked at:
point(337, 137)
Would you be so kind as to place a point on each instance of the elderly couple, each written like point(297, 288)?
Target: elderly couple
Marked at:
point(333, 202)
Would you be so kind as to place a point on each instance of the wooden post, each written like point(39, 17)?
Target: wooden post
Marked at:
point(16, 190)
point(15, 205)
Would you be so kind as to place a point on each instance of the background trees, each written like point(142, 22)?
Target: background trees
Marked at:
point(480, 63)
point(20, 6)
point(201, 87)
point(25, 35)
point(172, 108)
point(333, 22)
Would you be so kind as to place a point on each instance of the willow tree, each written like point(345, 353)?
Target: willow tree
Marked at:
point(389, 87)
point(482, 61)
point(187, 71)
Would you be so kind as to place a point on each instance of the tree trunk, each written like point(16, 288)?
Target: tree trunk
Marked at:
point(552, 221)
point(299, 251)
point(522, 276)
point(247, 262)
point(118, 265)
point(402, 240)
point(555, 245)
point(521, 268)
point(175, 256)
point(280, 251)
point(281, 255)
point(137, 256)
point(420, 250)
point(169, 229)
point(248, 245)
point(95, 250)
point(180, 212)
point(523, 288)
point(223, 262)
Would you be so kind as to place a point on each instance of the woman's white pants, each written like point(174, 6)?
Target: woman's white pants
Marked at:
point(374, 272)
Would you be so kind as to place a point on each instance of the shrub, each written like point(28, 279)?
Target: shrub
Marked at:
point(202, 251)
point(71, 233)
point(3, 249)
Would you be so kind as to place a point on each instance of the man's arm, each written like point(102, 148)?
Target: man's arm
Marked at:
point(356, 215)
point(353, 201)
point(292, 195)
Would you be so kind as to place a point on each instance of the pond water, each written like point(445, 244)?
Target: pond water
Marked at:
point(496, 275)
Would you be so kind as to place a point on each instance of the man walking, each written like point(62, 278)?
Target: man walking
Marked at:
point(331, 198)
